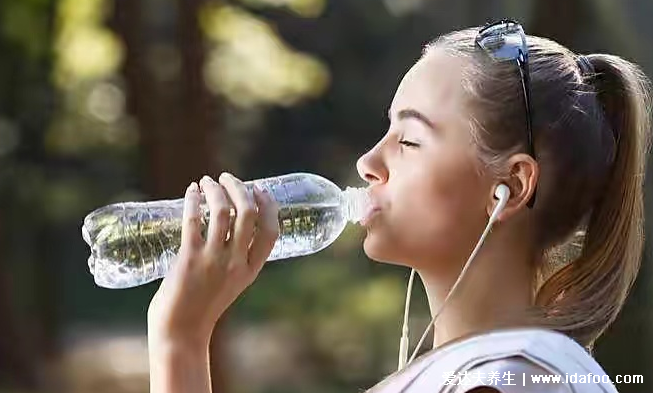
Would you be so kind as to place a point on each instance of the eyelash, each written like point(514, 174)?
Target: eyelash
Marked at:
point(408, 143)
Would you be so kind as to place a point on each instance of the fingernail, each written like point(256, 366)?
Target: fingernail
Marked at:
point(208, 179)
point(226, 175)
point(193, 187)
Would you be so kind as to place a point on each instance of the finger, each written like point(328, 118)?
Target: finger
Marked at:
point(267, 230)
point(191, 227)
point(219, 208)
point(246, 213)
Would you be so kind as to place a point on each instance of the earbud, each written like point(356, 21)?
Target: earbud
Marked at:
point(502, 193)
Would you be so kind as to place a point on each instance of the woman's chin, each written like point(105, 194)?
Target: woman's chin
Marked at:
point(380, 250)
point(391, 250)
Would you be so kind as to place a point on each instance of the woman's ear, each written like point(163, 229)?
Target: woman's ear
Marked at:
point(523, 173)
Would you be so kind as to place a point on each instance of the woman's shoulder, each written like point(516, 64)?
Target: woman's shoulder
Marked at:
point(527, 351)
point(545, 348)
point(536, 360)
point(514, 374)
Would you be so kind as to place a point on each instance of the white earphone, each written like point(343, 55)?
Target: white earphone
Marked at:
point(502, 193)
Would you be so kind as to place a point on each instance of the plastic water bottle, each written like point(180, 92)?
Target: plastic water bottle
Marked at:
point(133, 243)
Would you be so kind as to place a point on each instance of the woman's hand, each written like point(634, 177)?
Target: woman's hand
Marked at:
point(208, 275)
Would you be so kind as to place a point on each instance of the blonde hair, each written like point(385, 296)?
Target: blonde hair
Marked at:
point(591, 135)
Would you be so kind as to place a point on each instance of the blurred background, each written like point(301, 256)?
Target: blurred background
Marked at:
point(114, 100)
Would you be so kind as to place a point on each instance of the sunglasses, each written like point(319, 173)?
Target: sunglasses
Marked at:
point(505, 40)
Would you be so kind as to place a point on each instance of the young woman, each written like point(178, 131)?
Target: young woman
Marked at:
point(487, 117)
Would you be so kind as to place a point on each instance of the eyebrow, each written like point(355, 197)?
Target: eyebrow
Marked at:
point(414, 114)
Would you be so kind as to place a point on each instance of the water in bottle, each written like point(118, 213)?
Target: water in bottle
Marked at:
point(133, 243)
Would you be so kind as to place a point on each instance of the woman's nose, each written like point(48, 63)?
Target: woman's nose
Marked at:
point(371, 167)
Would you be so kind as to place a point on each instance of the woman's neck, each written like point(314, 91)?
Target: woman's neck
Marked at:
point(495, 292)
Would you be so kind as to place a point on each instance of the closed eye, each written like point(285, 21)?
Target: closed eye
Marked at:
point(408, 143)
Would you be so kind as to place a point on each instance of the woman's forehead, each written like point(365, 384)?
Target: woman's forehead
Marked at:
point(433, 85)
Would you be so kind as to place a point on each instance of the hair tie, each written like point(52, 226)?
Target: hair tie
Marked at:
point(584, 64)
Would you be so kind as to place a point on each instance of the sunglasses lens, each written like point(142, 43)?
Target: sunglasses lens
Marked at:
point(504, 41)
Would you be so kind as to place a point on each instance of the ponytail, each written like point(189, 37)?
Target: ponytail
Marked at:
point(583, 298)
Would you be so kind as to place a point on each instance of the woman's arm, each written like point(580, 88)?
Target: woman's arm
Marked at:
point(207, 276)
point(177, 367)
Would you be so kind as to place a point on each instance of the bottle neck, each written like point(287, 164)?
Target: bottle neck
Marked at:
point(356, 203)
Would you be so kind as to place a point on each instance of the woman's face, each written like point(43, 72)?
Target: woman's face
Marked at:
point(424, 175)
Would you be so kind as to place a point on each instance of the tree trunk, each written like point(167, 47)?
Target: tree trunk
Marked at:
point(559, 20)
point(29, 327)
point(176, 115)
point(199, 125)
point(16, 362)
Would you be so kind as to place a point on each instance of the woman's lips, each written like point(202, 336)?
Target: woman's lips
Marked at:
point(371, 212)
point(373, 208)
